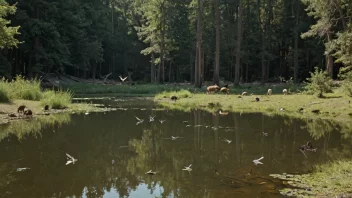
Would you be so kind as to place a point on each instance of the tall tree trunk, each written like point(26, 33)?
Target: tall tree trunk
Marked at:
point(198, 63)
point(152, 69)
point(329, 60)
point(217, 53)
point(162, 47)
point(238, 46)
point(295, 51)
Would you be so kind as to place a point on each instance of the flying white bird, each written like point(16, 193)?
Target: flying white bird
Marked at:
point(226, 140)
point(138, 119)
point(162, 121)
point(188, 168)
point(265, 134)
point(123, 79)
point(150, 172)
point(70, 159)
point(151, 119)
point(257, 161)
point(22, 169)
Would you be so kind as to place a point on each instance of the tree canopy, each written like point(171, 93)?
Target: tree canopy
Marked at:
point(168, 41)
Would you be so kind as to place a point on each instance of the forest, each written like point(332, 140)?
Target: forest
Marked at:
point(157, 41)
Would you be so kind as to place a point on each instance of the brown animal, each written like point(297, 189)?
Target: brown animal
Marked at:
point(46, 108)
point(28, 112)
point(173, 98)
point(244, 93)
point(21, 109)
point(225, 90)
point(212, 88)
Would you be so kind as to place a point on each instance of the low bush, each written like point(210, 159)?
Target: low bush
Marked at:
point(57, 100)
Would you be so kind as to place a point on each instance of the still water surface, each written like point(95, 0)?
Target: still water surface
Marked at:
point(114, 153)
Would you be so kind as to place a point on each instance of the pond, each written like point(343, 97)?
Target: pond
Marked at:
point(114, 153)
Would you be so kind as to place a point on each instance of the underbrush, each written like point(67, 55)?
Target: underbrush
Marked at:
point(328, 180)
point(56, 100)
point(22, 89)
point(179, 94)
point(147, 89)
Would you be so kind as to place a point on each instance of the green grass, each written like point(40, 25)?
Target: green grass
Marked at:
point(154, 89)
point(180, 94)
point(22, 89)
point(335, 106)
point(328, 180)
point(56, 100)
point(147, 89)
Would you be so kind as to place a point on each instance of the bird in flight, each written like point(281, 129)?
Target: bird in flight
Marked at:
point(188, 168)
point(70, 159)
point(123, 79)
point(162, 121)
point(257, 161)
point(151, 119)
point(226, 140)
point(150, 172)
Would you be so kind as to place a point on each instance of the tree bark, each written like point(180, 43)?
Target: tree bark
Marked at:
point(238, 47)
point(217, 53)
point(198, 62)
point(152, 69)
point(295, 51)
point(329, 60)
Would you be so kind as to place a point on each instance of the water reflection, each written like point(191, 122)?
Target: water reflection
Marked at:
point(114, 154)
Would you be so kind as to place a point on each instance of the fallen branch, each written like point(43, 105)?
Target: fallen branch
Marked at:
point(107, 77)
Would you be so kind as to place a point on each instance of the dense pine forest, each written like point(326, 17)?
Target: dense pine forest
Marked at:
point(175, 41)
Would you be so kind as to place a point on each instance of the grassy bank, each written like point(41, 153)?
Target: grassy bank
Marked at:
point(154, 89)
point(21, 89)
point(336, 106)
point(329, 180)
point(28, 92)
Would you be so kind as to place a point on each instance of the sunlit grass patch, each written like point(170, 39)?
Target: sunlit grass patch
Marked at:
point(328, 180)
point(4, 93)
point(25, 89)
point(56, 99)
point(179, 94)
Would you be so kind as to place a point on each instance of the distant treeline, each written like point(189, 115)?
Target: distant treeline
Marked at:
point(156, 40)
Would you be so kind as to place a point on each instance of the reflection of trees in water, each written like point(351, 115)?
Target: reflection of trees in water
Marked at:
point(20, 128)
point(318, 128)
point(96, 147)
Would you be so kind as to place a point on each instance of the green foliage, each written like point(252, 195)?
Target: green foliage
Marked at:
point(20, 88)
point(56, 99)
point(25, 89)
point(319, 83)
point(347, 85)
point(180, 94)
point(331, 180)
point(7, 34)
point(4, 92)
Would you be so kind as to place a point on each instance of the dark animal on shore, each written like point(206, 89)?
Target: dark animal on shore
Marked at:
point(225, 90)
point(46, 108)
point(308, 147)
point(173, 98)
point(212, 88)
point(12, 115)
point(21, 109)
point(28, 112)
point(257, 99)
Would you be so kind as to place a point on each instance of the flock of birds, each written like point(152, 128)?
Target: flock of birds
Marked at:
point(188, 168)
point(303, 148)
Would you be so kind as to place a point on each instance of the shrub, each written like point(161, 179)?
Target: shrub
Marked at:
point(179, 94)
point(319, 83)
point(4, 94)
point(57, 100)
point(347, 84)
point(25, 89)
